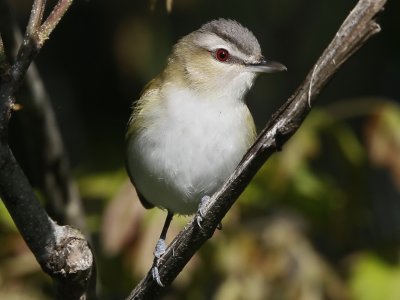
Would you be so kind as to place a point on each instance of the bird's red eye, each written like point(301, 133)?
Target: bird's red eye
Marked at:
point(222, 55)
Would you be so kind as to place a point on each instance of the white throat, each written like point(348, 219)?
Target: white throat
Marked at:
point(231, 83)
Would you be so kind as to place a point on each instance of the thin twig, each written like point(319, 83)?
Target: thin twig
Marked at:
point(36, 17)
point(168, 5)
point(354, 32)
point(2, 53)
point(3, 58)
point(51, 22)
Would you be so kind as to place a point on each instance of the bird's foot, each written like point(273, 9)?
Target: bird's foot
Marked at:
point(202, 209)
point(156, 275)
point(159, 251)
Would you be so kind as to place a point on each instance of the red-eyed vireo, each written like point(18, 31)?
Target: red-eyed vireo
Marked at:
point(191, 126)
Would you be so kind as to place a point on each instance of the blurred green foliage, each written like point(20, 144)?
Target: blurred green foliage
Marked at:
point(321, 220)
point(372, 278)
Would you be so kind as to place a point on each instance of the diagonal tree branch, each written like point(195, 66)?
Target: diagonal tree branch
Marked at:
point(62, 251)
point(358, 27)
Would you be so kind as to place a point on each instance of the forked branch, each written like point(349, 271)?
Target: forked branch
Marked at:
point(62, 251)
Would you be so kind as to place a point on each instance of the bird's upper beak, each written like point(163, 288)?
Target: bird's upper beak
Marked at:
point(266, 66)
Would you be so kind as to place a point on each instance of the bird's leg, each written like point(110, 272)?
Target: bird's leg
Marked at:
point(160, 249)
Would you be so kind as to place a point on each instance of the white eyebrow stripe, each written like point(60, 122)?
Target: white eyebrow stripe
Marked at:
point(212, 42)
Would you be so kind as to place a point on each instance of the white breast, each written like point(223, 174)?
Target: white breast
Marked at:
point(189, 149)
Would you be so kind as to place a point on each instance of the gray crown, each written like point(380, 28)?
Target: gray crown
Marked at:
point(235, 33)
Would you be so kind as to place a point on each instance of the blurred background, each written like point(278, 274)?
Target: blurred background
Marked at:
point(321, 220)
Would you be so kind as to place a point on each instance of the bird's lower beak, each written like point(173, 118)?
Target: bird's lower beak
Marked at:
point(266, 66)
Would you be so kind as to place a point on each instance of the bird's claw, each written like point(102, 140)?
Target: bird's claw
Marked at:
point(199, 219)
point(156, 275)
point(201, 210)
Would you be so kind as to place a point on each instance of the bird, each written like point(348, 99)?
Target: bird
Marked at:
point(191, 125)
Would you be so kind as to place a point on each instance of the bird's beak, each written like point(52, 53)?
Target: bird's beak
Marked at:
point(266, 66)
